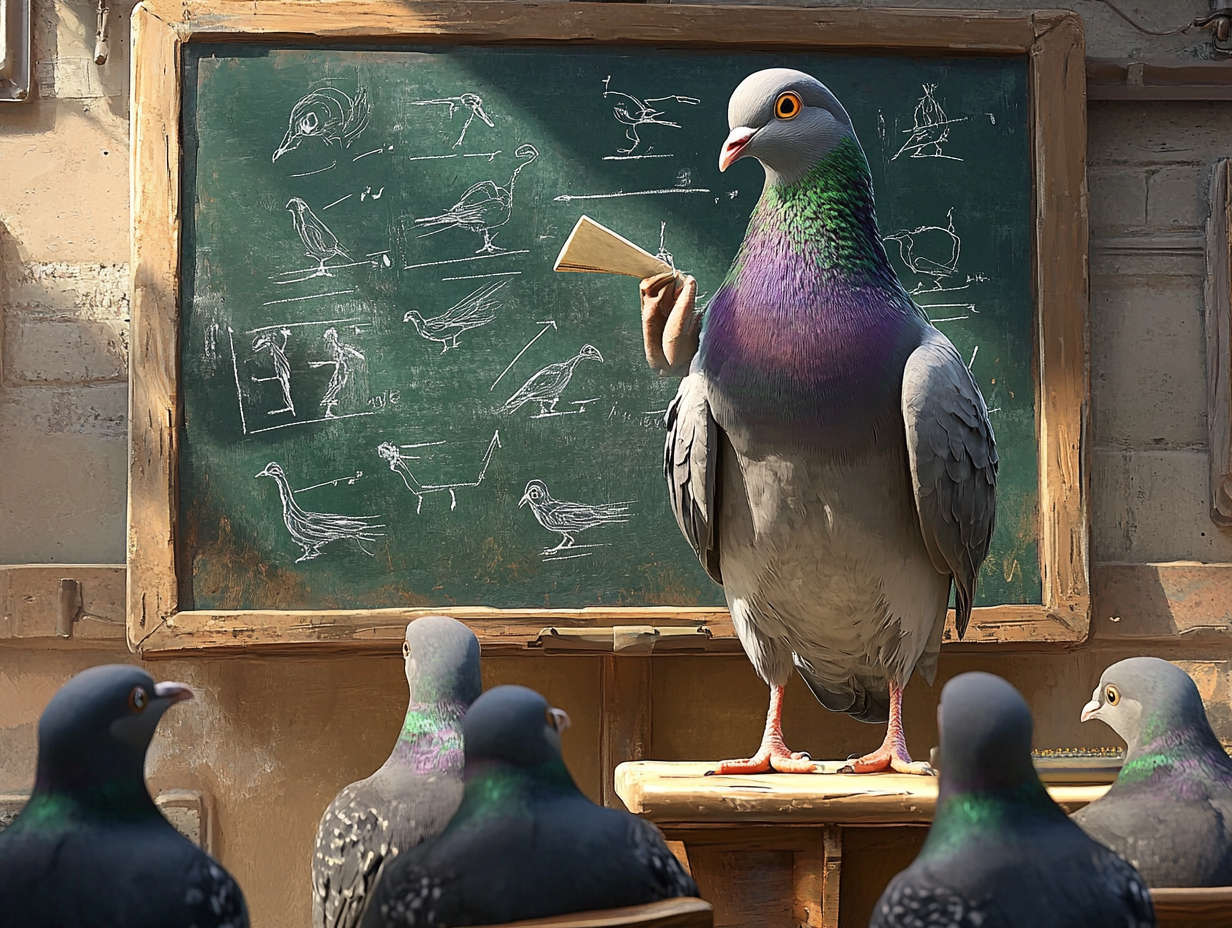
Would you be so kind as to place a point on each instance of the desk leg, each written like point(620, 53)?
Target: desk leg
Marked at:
point(815, 878)
point(624, 729)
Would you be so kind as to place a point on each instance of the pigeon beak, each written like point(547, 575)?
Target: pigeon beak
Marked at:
point(561, 718)
point(525, 500)
point(176, 692)
point(1089, 710)
point(289, 141)
point(484, 116)
point(734, 146)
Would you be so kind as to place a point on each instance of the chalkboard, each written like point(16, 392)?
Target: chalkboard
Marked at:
point(389, 398)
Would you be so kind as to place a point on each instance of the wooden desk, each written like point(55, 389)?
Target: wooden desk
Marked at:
point(767, 851)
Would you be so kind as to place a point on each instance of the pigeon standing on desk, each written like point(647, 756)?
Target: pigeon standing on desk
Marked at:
point(525, 842)
point(91, 849)
point(1169, 813)
point(829, 456)
point(1000, 853)
point(411, 798)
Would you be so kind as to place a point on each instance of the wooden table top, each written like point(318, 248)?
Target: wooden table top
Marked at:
point(664, 791)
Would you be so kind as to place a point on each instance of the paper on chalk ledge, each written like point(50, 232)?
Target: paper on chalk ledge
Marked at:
point(595, 249)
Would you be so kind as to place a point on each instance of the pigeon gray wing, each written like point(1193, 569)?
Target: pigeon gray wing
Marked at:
point(649, 849)
point(953, 457)
point(906, 905)
point(352, 844)
point(690, 464)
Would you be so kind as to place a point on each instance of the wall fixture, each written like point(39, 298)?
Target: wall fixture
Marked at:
point(14, 50)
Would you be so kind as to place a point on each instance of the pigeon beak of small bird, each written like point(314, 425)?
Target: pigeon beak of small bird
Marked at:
point(525, 500)
point(169, 689)
point(734, 146)
point(1089, 710)
point(561, 718)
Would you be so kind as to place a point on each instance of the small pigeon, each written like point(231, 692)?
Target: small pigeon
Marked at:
point(829, 456)
point(1169, 813)
point(525, 843)
point(1000, 853)
point(90, 849)
point(411, 798)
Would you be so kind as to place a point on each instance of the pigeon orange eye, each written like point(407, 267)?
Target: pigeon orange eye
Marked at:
point(788, 105)
point(406, 650)
point(1112, 696)
point(137, 700)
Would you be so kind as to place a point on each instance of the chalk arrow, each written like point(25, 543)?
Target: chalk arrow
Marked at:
point(547, 324)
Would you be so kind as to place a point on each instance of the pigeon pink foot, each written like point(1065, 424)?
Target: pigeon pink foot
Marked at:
point(773, 755)
point(892, 755)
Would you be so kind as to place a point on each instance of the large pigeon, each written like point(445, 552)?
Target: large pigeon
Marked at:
point(525, 843)
point(1000, 853)
point(829, 455)
point(1169, 813)
point(90, 849)
point(415, 793)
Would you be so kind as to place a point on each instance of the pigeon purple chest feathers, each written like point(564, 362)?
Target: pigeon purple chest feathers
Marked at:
point(829, 455)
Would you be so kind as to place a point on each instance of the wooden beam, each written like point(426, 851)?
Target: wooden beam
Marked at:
point(1125, 79)
point(624, 729)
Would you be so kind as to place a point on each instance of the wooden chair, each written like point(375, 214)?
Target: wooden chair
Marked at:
point(1196, 907)
point(685, 912)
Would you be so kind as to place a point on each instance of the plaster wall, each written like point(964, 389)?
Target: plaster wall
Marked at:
point(271, 739)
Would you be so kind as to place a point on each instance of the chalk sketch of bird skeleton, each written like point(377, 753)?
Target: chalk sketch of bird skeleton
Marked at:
point(397, 459)
point(568, 519)
point(313, 530)
point(282, 366)
point(930, 128)
point(484, 207)
point(328, 114)
point(471, 102)
point(341, 356)
point(633, 112)
point(471, 312)
point(546, 386)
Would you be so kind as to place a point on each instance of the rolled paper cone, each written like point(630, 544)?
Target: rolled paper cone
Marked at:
point(595, 249)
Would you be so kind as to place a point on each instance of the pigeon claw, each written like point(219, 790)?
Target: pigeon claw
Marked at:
point(889, 758)
point(772, 760)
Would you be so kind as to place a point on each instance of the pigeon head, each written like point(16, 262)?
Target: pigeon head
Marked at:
point(97, 727)
point(515, 725)
point(441, 660)
point(785, 119)
point(985, 735)
point(1143, 697)
point(536, 492)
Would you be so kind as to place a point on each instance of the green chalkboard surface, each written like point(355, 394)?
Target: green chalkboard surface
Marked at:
point(389, 398)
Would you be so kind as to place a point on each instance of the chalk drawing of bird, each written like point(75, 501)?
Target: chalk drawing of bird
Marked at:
point(327, 114)
point(320, 244)
point(484, 207)
point(634, 112)
point(930, 251)
point(930, 128)
point(568, 519)
point(547, 385)
point(471, 312)
point(313, 530)
point(282, 366)
point(471, 102)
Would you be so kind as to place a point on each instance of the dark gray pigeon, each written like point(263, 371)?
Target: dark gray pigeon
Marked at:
point(1000, 853)
point(1169, 813)
point(525, 843)
point(415, 793)
point(90, 849)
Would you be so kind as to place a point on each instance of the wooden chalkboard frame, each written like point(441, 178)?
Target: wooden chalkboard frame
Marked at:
point(1052, 42)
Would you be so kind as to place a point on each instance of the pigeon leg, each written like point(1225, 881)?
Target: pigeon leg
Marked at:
point(773, 755)
point(892, 755)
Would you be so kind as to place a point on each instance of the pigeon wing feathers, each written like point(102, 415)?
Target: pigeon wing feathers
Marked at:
point(670, 878)
point(953, 459)
point(352, 845)
point(906, 905)
point(690, 464)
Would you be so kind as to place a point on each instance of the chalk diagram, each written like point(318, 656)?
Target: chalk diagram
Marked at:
point(313, 530)
point(472, 103)
point(546, 387)
point(931, 252)
point(569, 519)
point(265, 341)
point(930, 129)
point(484, 207)
point(271, 347)
point(633, 111)
point(397, 457)
point(471, 312)
point(327, 114)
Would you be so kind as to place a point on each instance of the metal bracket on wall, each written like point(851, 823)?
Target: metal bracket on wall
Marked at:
point(15, 52)
point(625, 640)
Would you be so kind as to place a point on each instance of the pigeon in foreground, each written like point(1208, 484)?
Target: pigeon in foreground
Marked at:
point(525, 843)
point(829, 456)
point(90, 849)
point(1000, 853)
point(413, 795)
point(1169, 813)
